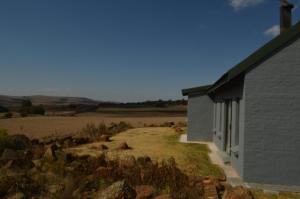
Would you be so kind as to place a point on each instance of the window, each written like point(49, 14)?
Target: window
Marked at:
point(237, 122)
point(218, 117)
point(215, 118)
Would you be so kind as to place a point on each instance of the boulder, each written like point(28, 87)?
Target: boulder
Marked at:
point(123, 146)
point(78, 140)
point(143, 160)
point(35, 141)
point(11, 154)
point(18, 195)
point(37, 151)
point(165, 196)
point(20, 142)
point(56, 188)
point(63, 156)
point(127, 161)
point(68, 143)
point(168, 124)
point(178, 129)
point(103, 147)
point(212, 181)
point(238, 192)
point(118, 190)
point(144, 192)
point(5, 183)
point(104, 172)
point(50, 152)
point(104, 138)
point(19, 165)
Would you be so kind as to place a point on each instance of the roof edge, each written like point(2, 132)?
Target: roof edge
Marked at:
point(200, 90)
point(258, 56)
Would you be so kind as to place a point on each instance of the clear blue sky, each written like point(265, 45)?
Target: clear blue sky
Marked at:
point(127, 50)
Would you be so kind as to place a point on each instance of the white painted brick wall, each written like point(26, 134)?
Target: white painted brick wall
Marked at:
point(272, 119)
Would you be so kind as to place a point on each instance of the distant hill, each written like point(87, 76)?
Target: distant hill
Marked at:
point(16, 101)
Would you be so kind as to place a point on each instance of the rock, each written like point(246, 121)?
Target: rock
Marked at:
point(104, 138)
point(54, 189)
point(123, 146)
point(78, 140)
point(10, 154)
point(104, 172)
point(103, 147)
point(127, 161)
point(144, 191)
point(19, 165)
point(212, 181)
point(5, 183)
point(178, 129)
point(50, 153)
point(118, 190)
point(76, 193)
point(238, 192)
point(35, 141)
point(168, 124)
point(63, 156)
point(143, 160)
point(18, 195)
point(165, 196)
point(20, 142)
point(68, 143)
point(37, 151)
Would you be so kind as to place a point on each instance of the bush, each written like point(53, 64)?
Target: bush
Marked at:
point(3, 109)
point(26, 103)
point(36, 110)
point(8, 115)
point(4, 140)
point(118, 128)
point(94, 131)
point(23, 114)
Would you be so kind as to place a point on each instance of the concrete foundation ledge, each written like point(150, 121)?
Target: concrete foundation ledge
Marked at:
point(273, 188)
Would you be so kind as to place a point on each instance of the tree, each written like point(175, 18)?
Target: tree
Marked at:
point(26, 103)
point(3, 109)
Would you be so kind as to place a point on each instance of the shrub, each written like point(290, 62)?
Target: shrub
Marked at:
point(90, 130)
point(37, 110)
point(118, 128)
point(4, 140)
point(23, 114)
point(8, 115)
point(3, 109)
point(26, 103)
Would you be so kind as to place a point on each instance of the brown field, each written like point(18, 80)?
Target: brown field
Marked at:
point(40, 126)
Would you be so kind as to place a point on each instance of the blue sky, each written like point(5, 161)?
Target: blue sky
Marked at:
point(127, 50)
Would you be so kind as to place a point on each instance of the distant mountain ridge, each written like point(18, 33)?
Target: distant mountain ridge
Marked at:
point(16, 101)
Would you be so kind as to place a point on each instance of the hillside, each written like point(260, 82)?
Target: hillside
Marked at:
point(16, 101)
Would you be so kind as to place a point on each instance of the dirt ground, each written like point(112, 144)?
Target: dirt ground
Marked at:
point(41, 126)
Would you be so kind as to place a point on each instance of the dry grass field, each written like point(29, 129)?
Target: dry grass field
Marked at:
point(40, 126)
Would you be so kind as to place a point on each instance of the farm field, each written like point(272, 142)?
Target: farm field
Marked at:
point(40, 126)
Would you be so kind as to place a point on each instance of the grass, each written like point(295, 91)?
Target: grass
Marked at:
point(159, 143)
point(258, 194)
